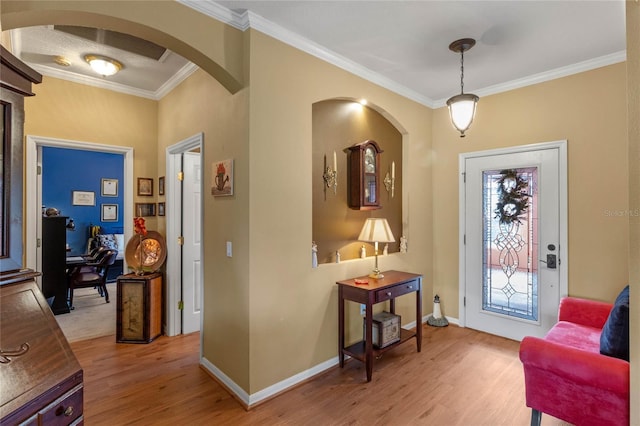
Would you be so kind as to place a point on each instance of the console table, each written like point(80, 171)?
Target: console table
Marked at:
point(392, 285)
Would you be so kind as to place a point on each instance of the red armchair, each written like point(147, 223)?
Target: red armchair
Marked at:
point(567, 377)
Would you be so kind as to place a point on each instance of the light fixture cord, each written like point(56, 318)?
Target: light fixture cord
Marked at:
point(462, 71)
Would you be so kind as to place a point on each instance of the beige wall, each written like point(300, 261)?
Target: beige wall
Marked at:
point(291, 304)
point(589, 111)
point(201, 104)
point(633, 100)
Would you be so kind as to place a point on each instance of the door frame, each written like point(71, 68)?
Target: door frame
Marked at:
point(563, 243)
point(174, 231)
point(33, 188)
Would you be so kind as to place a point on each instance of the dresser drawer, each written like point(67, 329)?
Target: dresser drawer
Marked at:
point(396, 290)
point(65, 410)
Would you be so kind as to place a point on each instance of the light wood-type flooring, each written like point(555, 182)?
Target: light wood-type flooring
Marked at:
point(461, 377)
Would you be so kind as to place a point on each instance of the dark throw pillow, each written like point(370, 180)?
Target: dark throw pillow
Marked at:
point(108, 240)
point(614, 340)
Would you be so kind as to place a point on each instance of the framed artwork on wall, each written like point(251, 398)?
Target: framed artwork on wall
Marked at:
point(83, 198)
point(109, 187)
point(222, 181)
point(145, 209)
point(161, 209)
point(109, 213)
point(161, 185)
point(145, 186)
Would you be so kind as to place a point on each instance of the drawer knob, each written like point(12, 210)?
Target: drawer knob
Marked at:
point(69, 411)
point(388, 293)
point(409, 287)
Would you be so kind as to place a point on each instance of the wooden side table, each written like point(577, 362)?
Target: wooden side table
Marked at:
point(394, 284)
point(139, 310)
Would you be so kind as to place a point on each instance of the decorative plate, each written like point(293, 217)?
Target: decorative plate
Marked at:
point(146, 252)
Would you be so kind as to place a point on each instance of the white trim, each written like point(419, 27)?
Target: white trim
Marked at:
point(579, 67)
point(34, 197)
point(563, 243)
point(174, 219)
point(248, 19)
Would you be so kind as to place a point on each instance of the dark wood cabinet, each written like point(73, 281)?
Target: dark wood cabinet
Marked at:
point(139, 310)
point(54, 257)
point(40, 378)
point(364, 176)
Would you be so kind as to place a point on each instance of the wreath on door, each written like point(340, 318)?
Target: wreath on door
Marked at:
point(513, 198)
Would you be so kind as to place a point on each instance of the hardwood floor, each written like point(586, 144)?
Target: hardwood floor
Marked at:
point(461, 377)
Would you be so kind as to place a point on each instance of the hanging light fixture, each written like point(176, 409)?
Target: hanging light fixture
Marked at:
point(103, 65)
point(462, 107)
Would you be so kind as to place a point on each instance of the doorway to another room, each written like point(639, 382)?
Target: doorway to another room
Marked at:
point(184, 234)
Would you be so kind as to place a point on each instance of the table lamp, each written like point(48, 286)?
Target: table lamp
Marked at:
point(376, 230)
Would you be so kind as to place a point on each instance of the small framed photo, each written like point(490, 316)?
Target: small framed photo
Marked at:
point(83, 198)
point(145, 186)
point(222, 180)
point(161, 185)
point(145, 209)
point(161, 209)
point(109, 187)
point(109, 213)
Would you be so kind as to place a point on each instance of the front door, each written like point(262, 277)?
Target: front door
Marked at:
point(513, 269)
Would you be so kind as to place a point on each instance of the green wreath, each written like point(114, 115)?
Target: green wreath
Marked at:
point(513, 199)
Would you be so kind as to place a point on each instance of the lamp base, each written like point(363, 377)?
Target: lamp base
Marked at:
point(376, 275)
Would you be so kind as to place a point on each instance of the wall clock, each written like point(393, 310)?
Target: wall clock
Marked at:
point(364, 175)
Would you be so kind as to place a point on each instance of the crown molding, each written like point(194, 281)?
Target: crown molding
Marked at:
point(175, 80)
point(542, 77)
point(247, 19)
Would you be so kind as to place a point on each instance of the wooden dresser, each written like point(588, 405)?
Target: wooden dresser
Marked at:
point(40, 378)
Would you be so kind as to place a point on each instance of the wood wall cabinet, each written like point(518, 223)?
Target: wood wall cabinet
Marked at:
point(54, 257)
point(40, 378)
point(139, 310)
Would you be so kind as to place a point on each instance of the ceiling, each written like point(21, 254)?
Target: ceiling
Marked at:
point(401, 45)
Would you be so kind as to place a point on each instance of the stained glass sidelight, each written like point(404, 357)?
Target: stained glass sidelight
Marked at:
point(510, 243)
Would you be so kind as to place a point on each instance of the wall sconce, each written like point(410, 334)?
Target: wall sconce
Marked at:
point(390, 182)
point(103, 65)
point(71, 226)
point(330, 176)
point(462, 107)
point(376, 230)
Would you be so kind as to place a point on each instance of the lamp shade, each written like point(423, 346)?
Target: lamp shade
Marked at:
point(376, 229)
point(462, 109)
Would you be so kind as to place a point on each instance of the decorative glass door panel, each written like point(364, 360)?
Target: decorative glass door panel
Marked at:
point(509, 238)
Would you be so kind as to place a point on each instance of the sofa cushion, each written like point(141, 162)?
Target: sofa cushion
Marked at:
point(575, 335)
point(614, 340)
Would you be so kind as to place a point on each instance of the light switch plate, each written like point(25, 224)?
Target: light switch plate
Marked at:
point(229, 249)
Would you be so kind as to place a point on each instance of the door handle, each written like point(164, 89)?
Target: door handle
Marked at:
point(551, 261)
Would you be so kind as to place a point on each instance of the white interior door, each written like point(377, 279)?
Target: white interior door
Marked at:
point(191, 251)
point(514, 240)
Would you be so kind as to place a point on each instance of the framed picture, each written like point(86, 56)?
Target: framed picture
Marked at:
point(145, 209)
point(83, 198)
point(109, 187)
point(160, 209)
point(222, 181)
point(109, 213)
point(145, 186)
point(161, 186)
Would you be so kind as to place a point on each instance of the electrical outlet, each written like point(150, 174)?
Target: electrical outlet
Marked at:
point(363, 309)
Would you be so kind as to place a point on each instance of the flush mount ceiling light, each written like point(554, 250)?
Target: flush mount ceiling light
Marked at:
point(103, 65)
point(462, 107)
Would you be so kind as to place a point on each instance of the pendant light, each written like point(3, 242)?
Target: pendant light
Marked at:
point(462, 107)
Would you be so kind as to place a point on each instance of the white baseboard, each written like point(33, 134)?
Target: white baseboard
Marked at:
point(251, 399)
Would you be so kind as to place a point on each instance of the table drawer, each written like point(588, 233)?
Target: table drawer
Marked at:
point(396, 290)
point(65, 410)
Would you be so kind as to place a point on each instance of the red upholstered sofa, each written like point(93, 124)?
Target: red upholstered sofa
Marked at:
point(567, 377)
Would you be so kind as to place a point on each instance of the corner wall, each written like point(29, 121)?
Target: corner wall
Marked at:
point(587, 109)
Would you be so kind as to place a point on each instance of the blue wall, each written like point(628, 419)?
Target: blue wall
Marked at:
point(67, 170)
